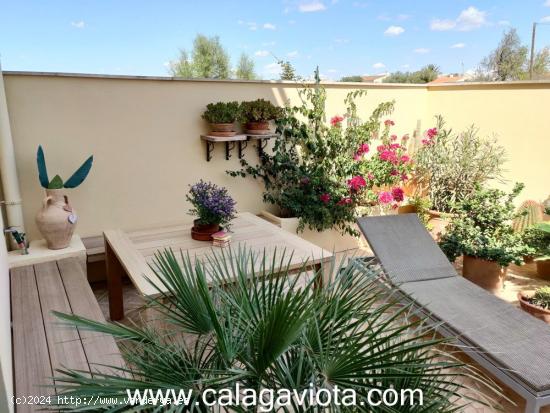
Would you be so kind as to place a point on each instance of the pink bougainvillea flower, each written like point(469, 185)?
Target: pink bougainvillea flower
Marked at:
point(345, 201)
point(389, 156)
point(336, 120)
point(389, 122)
point(431, 132)
point(405, 137)
point(364, 148)
point(393, 137)
point(426, 142)
point(404, 177)
point(356, 183)
point(325, 198)
point(381, 148)
point(405, 158)
point(385, 197)
point(304, 181)
point(358, 156)
point(370, 175)
point(395, 146)
point(398, 194)
point(394, 172)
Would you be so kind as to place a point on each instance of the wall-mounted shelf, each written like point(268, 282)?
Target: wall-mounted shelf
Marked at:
point(231, 142)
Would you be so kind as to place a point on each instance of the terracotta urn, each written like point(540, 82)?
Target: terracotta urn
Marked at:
point(258, 128)
point(534, 310)
point(406, 209)
point(486, 274)
point(223, 129)
point(543, 269)
point(56, 219)
point(203, 232)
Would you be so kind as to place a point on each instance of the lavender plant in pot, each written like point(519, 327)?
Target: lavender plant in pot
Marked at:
point(213, 206)
point(481, 231)
point(56, 220)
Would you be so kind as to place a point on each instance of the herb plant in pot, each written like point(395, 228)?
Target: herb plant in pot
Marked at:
point(56, 220)
point(481, 231)
point(538, 238)
point(537, 304)
point(257, 114)
point(213, 206)
point(222, 116)
point(449, 165)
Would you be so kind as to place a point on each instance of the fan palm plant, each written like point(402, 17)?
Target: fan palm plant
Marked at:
point(229, 323)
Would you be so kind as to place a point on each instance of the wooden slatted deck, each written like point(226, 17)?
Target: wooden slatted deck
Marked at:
point(40, 344)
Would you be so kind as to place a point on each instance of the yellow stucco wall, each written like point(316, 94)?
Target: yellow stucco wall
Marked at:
point(518, 115)
point(144, 135)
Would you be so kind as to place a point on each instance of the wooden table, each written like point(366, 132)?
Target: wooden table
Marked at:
point(131, 252)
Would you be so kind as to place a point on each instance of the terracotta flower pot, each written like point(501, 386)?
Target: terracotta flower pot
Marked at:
point(56, 220)
point(543, 269)
point(534, 310)
point(202, 232)
point(487, 274)
point(438, 222)
point(223, 129)
point(258, 128)
point(406, 209)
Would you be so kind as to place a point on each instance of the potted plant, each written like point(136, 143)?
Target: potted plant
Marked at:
point(213, 206)
point(537, 304)
point(222, 116)
point(448, 166)
point(320, 173)
point(257, 113)
point(538, 238)
point(482, 233)
point(56, 220)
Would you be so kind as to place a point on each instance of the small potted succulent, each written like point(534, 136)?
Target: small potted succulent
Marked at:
point(538, 238)
point(56, 220)
point(482, 233)
point(537, 304)
point(222, 116)
point(213, 206)
point(257, 113)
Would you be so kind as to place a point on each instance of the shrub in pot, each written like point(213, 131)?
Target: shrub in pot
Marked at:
point(257, 114)
point(537, 304)
point(213, 206)
point(482, 233)
point(538, 238)
point(222, 116)
point(322, 172)
point(449, 165)
point(56, 220)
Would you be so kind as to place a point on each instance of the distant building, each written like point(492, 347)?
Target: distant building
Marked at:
point(453, 78)
point(375, 78)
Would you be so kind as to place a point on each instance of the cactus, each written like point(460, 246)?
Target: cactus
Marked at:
point(529, 214)
point(57, 183)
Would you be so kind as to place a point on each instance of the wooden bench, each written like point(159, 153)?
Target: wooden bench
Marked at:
point(40, 344)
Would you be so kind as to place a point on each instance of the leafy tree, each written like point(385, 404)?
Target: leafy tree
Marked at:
point(287, 70)
point(510, 61)
point(245, 68)
point(208, 60)
point(355, 78)
point(426, 74)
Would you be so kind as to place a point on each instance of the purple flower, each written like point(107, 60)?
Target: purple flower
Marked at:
point(211, 203)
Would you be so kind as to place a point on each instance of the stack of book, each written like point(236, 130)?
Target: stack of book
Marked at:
point(221, 239)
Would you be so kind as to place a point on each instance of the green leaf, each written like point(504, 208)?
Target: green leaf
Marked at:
point(56, 183)
point(42, 170)
point(81, 173)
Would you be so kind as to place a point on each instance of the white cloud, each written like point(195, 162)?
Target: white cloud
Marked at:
point(546, 3)
point(261, 53)
point(311, 6)
point(272, 69)
point(458, 46)
point(421, 50)
point(394, 31)
point(442, 25)
point(378, 65)
point(80, 24)
point(545, 19)
point(294, 53)
point(269, 26)
point(468, 19)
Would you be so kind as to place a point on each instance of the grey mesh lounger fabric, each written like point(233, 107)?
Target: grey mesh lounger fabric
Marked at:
point(516, 343)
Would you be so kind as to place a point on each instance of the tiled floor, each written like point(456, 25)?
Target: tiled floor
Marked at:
point(518, 278)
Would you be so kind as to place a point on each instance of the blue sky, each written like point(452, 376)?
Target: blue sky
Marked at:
point(343, 37)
